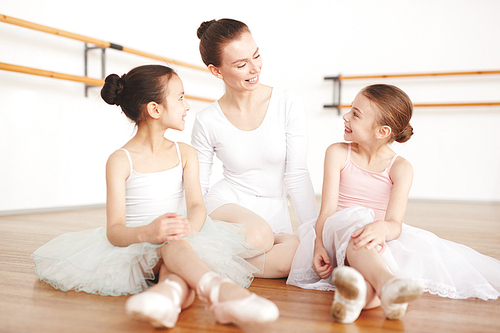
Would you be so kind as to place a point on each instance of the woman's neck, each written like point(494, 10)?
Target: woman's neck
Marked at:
point(244, 101)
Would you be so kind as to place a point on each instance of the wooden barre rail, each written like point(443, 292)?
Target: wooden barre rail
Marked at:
point(68, 77)
point(337, 84)
point(427, 105)
point(97, 42)
point(383, 76)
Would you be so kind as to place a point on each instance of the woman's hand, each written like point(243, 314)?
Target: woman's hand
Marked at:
point(321, 262)
point(168, 227)
point(370, 236)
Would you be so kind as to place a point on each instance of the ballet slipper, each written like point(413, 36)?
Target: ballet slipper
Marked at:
point(350, 294)
point(156, 308)
point(252, 309)
point(396, 293)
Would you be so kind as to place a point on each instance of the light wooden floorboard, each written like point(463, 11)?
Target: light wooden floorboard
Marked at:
point(28, 305)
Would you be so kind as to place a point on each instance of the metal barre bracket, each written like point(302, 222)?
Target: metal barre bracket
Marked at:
point(103, 64)
point(336, 93)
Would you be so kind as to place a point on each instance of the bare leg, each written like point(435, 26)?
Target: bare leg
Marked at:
point(277, 261)
point(368, 269)
point(231, 303)
point(258, 232)
point(183, 262)
point(372, 300)
point(183, 272)
point(374, 269)
point(279, 249)
point(187, 295)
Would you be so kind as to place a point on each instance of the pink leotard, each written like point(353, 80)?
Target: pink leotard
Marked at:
point(360, 187)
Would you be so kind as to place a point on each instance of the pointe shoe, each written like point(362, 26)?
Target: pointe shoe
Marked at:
point(252, 309)
point(159, 310)
point(396, 294)
point(350, 294)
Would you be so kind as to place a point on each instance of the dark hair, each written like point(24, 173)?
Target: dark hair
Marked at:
point(134, 90)
point(216, 34)
point(395, 108)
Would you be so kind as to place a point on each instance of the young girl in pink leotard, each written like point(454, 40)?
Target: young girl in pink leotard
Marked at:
point(379, 260)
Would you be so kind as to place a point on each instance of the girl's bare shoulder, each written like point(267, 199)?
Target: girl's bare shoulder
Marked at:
point(336, 154)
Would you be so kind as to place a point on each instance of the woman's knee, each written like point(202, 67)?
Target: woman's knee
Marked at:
point(257, 231)
point(262, 238)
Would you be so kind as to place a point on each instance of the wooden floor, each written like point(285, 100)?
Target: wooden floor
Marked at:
point(28, 305)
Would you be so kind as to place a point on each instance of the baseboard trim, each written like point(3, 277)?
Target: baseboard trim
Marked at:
point(49, 209)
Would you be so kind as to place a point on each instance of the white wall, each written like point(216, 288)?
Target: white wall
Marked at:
point(55, 141)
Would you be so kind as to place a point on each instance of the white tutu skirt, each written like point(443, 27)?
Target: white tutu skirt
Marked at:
point(445, 268)
point(87, 261)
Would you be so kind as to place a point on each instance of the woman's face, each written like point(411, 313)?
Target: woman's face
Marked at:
point(241, 64)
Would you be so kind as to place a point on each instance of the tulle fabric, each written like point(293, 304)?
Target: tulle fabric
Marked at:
point(87, 261)
point(222, 247)
point(445, 268)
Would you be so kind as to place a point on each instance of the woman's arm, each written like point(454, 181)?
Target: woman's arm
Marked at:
point(205, 152)
point(297, 179)
point(196, 212)
point(165, 228)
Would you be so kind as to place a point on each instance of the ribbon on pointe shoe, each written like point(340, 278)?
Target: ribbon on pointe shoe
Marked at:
point(156, 308)
point(252, 309)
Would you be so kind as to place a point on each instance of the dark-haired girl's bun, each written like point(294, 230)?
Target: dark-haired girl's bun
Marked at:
point(112, 90)
point(203, 27)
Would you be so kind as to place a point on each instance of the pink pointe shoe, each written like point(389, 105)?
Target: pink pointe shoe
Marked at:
point(252, 309)
point(396, 294)
point(159, 310)
point(350, 294)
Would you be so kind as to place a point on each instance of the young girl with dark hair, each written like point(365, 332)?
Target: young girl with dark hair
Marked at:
point(157, 227)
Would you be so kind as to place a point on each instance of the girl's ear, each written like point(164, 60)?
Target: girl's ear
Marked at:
point(153, 110)
point(384, 132)
point(215, 71)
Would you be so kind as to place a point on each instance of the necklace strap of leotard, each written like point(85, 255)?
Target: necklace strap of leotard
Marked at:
point(348, 155)
point(392, 162)
point(129, 158)
point(178, 152)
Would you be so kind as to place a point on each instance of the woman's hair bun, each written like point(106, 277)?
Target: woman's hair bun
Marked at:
point(203, 27)
point(112, 90)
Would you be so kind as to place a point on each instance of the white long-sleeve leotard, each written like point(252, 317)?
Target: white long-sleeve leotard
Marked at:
point(260, 167)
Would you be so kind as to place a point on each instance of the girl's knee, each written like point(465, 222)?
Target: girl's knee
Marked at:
point(173, 248)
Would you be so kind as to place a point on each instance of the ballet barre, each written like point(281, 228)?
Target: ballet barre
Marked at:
point(69, 77)
point(94, 41)
point(94, 44)
point(337, 85)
